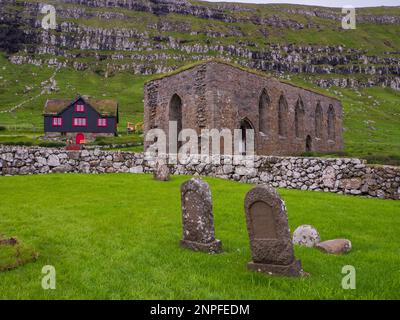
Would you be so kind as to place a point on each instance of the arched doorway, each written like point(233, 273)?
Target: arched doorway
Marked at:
point(245, 124)
point(80, 138)
point(308, 144)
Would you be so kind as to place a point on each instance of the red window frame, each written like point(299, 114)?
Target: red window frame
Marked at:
point(56, 121)
point(77, 122)
point(79, 108)
point(102, 122)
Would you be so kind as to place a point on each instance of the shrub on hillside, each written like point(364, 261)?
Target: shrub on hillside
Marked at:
point(51, 144)
point(17, 143)
point(390, 160)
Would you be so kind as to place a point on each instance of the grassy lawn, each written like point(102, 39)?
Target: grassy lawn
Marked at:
point(117, 236)
point(372, 124)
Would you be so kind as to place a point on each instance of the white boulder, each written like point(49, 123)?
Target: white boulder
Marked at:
point(306, 235)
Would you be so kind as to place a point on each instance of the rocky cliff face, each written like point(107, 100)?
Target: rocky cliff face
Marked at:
point(155, 36)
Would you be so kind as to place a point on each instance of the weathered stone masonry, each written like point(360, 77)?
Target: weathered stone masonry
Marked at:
point(286, 119)
point(344, 176)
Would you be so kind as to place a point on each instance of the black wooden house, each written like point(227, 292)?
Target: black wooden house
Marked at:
point(82, 119)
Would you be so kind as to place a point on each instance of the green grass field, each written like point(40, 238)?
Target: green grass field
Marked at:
point(117, 237)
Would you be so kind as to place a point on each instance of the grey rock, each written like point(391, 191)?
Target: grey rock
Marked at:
point(306, 235)
point(336, 246)
point(137, 169)
point(53, 161)
point(62, 169)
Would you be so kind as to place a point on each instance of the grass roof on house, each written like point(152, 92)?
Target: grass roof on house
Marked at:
point(237, 66)
point(106, 107)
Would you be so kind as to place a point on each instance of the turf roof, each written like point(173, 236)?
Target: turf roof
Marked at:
point(106, 107)
point(237, 66)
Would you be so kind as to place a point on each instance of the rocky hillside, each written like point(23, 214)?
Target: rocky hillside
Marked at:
point(156, 36)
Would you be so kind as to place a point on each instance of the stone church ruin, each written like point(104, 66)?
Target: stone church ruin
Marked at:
point(286, 119)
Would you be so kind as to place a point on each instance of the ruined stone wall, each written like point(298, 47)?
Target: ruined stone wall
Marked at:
point(190, 87)
point(218, 95)
point(238, 97)
point(343, 176)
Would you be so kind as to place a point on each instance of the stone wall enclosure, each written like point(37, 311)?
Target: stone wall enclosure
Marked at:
point(343, 176)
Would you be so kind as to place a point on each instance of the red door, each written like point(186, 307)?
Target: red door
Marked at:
point(80, 138)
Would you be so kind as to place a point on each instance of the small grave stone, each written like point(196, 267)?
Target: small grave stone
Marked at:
point(270, 240)
point(197, 217)
point(161, 171)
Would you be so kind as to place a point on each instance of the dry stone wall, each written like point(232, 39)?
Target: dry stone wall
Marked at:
point(343, 176)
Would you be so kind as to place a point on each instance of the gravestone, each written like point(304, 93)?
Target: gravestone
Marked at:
point(270, 240)
point(197, 217)
point(161, 171)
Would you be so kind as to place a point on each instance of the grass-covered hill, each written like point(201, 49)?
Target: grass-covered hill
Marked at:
point(110, 48)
